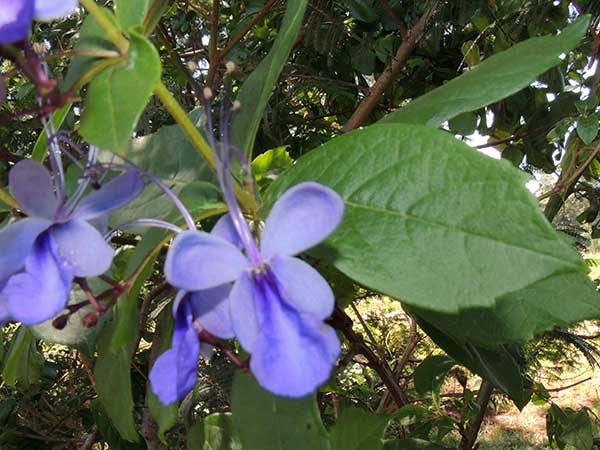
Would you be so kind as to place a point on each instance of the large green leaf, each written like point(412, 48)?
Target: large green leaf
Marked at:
point(256, 90)
point(559, 300)
point(131, 12)
point(358, 429)
point(429, 221)
point(495, 78)
point(118, 96)
point(266, 422)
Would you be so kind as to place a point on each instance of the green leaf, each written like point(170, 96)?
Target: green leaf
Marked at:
point(412, 444)
point(118, 95)
point(267, 166)
point(501, 366)
point(266, 422)
point(429, 375)
point(219, 433)
point(92, 38)
point(164, 415)
point(116, 346)
point(131, 12)
point(363, 59)
point(519, 316)
point(587, 128)
point(495, 78)
point(169, 156)
point(464, 124)
point(256, 90)
point(362, 10)
point(23, 363)
point(456, 221)
point(358, 429)
point(195, 436)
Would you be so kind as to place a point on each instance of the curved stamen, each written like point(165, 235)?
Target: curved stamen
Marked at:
point(142, 223)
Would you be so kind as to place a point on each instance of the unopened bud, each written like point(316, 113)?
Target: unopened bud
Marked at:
point(236, 105)
point(208, 94)
point(90, 319)
point(60, 322)
point(192, 66)
point(230, 67)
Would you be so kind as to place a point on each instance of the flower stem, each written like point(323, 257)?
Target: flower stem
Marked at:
point(111, 31)
point(197, 140)
point(185, 123)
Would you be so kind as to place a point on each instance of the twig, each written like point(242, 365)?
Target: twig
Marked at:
point(213, 51)
point(470, 434)
point(238, 37)
point(563, 388)
point(391, 72)
point(341, 321)
point(397, 22)
point(574, 178)
point(411, 345)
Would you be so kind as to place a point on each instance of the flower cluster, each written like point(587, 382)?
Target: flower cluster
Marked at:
point(231, 284)
point(16, 16)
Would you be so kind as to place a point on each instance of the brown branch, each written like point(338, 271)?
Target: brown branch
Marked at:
point(574, 178)
point(397, 22)
point(569, 386)
point(213, 51)
point(238, 37)
point(411, 345)
point(390, 73)
point(470, 434)
point(341, 321)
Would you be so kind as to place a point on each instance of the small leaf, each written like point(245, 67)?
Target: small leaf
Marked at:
point(587, 128)
point(92, 38)
point(256, 89)
point(464, 124)
point(495, 78)
point(267, 166)
point(118, 96)
point(195, 437)
point(363, 10)
point(219, 433)
point(429, 375)
point(266, 422)
point(358, 429)
point(23, 362)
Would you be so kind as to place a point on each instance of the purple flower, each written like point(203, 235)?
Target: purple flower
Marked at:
point(60, 240)
point(174, 373)
point(16, 16)
point(278, 303)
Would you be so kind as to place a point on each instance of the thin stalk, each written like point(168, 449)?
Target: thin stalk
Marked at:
point(7, 198)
